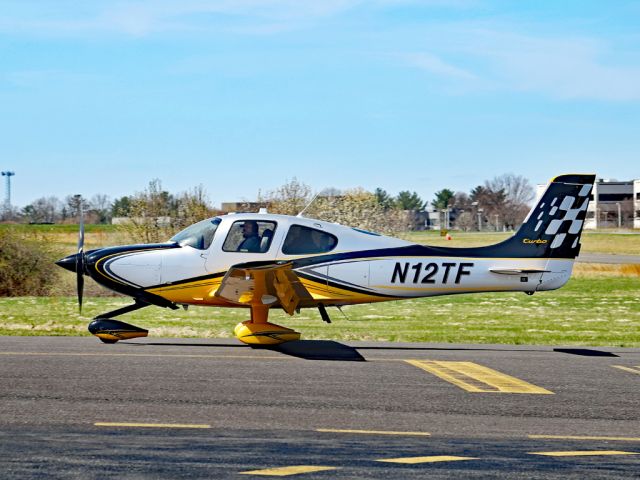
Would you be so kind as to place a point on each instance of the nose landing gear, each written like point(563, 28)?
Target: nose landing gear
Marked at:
point(109, 330)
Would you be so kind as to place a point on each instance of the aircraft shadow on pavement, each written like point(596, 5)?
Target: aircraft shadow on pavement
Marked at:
point(465, 349)
point(307, 349)
point(319, 350)
point(176, 344)
point(585, 352)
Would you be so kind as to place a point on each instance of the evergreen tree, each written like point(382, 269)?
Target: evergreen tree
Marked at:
point(407, 200)
point(442, 199)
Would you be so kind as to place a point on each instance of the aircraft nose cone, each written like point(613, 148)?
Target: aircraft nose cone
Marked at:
point(68, 263)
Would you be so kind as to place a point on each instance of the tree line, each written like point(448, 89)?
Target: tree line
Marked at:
point(500, 203)
point(495, 204)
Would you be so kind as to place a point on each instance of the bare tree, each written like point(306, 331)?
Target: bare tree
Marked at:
point(356, 207)
point(518, 194)
point(193, 206)
point(101, 206)
point(465, 221)
point(75, 203)
point(155, 215)
point(517, 188)
point(288, 199)
point(43, 210)
point(361, 209)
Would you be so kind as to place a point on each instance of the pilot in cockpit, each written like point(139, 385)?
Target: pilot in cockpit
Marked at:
point(251, 242)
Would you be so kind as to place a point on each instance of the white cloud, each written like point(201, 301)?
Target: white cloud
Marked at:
point(435, 65)
point(145, 17)
point(568, 68)
point(561, 67)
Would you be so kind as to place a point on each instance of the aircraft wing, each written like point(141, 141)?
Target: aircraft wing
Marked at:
point(264, 283)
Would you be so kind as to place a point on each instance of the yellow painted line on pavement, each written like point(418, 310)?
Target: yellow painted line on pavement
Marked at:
point(476, 378)
point(584, 437)
point(286, 471)
point(635, 370)
point(373, 432)
point(151, 425)
point(430, 459)
point(583, 453)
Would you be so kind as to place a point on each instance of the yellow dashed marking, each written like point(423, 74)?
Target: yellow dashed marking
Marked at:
point(635, 370)
point(373, 432)
point(431, 459)
point(150, 425)
point(475, 378)
point(578, 437)
point(285, 471)
point(583, 453)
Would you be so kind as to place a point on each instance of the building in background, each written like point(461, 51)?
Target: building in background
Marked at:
point(636, 204)
point(613, 204)
point(243, 207)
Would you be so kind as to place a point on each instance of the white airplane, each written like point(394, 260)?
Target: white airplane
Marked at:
point(261, 261)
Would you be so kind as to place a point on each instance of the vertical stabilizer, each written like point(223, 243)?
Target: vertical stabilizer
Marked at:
point(553, 227)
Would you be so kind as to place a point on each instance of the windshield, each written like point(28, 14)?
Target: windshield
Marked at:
point(199, 235)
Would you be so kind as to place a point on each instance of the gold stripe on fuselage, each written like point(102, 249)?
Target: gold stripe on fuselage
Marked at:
point(203, 291)
point(196, 292)
point(323, 292)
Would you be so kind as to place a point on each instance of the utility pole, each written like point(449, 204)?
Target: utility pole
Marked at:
point(619, 215)
point(7, 191)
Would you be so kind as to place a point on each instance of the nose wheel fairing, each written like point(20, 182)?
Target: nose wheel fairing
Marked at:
point(110, 331)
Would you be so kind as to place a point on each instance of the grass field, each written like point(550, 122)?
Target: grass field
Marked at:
point(587, 311)
point(627, 243)
point(599, 306)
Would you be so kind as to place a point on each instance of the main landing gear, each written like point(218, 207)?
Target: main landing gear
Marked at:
point(258, 330)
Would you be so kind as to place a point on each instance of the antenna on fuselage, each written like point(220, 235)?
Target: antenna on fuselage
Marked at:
point(308, 204)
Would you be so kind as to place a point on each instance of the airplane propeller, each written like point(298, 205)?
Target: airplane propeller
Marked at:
point(80, 261)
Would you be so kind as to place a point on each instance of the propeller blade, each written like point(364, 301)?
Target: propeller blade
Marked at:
point(80, 286)
point(81, 231)
point(80, 259)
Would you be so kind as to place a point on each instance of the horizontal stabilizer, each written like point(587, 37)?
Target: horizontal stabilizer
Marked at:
point(517, 271)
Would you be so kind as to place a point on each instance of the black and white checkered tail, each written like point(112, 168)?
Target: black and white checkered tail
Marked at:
point(553, 227)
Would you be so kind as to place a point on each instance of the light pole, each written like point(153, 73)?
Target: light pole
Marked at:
point(619, 215)
point(7, 200)
point(496, 217)
point(444, 224)
point(480, 210)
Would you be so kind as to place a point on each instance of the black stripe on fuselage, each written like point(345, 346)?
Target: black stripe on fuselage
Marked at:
point(349, 287)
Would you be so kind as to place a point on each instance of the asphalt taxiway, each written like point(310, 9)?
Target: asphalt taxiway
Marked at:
point(180, 408)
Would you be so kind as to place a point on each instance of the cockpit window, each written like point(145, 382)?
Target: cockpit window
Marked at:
point(199, 235)
point(253, 236)
point(305, 240)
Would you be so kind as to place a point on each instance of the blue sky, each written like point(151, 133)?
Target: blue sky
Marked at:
point(241, 95)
